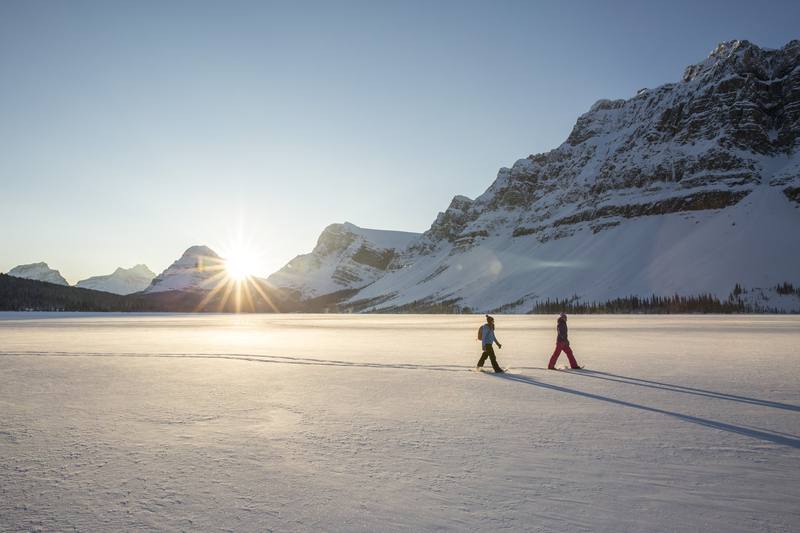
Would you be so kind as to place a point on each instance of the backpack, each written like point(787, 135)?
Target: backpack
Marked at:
point(480, 333)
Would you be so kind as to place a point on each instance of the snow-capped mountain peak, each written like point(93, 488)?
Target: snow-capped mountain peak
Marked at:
point(38, 271)
point(198, 269)
point(121, 281)
point(199, 251)
point(741, 57)
point(346, 257)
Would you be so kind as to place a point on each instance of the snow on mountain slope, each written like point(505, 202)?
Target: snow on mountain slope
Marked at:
point(345, 257)
point(687, 188)
point(685, 253)
point(121, 281)
point(39, 272)
point(198, 269)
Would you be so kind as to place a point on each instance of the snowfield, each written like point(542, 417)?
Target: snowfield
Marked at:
point(374, 423)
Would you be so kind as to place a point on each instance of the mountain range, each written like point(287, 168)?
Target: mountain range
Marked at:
point(122, 281)
point(691, 188)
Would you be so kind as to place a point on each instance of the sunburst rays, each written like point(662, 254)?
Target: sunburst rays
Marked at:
point(244, 291)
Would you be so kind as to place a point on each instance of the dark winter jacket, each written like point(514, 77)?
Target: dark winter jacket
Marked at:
point(562, 330)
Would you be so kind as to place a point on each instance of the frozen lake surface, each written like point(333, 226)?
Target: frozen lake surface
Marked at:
point(374, 423)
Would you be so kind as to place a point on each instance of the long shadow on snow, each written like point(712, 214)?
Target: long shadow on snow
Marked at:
point(791, 440)
point(275, 359)
point(784, 439)
point(658, 385)
point(685, 390)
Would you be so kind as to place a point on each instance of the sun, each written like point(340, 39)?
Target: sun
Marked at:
point(241, 264)
point(235, 283)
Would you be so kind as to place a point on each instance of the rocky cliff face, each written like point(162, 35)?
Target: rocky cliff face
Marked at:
point(346, 257)
point(730, 125)
point(39, 272)
point(690, 187)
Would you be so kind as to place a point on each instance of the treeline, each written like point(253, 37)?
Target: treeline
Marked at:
point(19, 294)
point(704, 303)
point(427, 307)
point(786, 288)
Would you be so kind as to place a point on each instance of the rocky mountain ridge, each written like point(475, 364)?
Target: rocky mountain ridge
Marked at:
point(705, 143)
point(678, 189)
point(346, 257)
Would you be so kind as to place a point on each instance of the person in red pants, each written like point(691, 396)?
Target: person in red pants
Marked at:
point(562, 343)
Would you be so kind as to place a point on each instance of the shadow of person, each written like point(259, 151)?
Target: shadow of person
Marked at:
point(253, 358)
point(685, 390)
point(776, 438)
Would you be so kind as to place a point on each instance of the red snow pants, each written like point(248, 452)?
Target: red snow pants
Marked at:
point(561, 345)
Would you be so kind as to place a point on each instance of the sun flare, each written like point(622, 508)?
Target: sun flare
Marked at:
point(236, 282)
point(241, 264)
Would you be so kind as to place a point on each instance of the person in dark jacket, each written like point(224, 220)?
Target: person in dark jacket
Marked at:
point(562, 343)
point(488, 338)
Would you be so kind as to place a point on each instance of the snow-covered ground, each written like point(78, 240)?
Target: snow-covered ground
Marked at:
point(374, 423)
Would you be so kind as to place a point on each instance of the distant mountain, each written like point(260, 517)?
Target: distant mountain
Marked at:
point(38, 271)
point(345, 257)
point(691, 188)
point(121, 281)
point(198, 269)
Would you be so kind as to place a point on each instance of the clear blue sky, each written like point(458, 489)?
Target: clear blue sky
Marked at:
point(131, 130)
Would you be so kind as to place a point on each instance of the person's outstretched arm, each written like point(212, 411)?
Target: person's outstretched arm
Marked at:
point(498, 343)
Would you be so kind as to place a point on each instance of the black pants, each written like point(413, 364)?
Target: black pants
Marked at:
point(488, 351)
